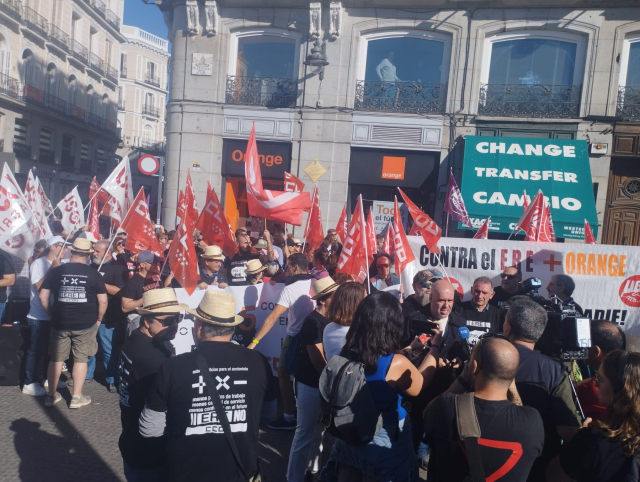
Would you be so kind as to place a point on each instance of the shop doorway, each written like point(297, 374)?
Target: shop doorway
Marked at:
point(622, 217)
point(236, 208)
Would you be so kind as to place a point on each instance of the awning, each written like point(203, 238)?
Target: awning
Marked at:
point(496, 171)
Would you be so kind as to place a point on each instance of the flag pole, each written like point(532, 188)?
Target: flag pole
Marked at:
point(366, 254)
point(108, 250)
point(446, 227)
point(443, 270)
point(315, 190)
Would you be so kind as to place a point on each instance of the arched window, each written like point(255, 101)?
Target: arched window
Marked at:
point(106, 106)
point(30, 71)
point(73, 90)
point(51, 81)
point(90, 101)
point(147, 133)
point(5, 57)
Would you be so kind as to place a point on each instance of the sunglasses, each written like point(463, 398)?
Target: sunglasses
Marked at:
point(168, 321)
point(485, 336)
point(508, 276)
point(383, 266)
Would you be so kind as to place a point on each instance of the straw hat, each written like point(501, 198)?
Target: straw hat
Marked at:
point(261, 244)
point(254, 266)
point(217, 308)
point(161, 301)
point(297, 242)
point(81, 246)
point(323, 287)
point(213, 252)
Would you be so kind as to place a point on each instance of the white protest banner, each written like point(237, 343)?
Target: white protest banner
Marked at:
point(254, 303)
point(72, 211)
point(14, 211)
point(607, 277)
point(383, 215)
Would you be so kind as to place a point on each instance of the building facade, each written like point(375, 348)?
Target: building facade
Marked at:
point(58, 90)
point(403, 80)
point(142, 100)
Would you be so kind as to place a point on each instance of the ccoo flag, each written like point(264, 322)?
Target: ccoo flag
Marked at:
point(429, 230)
point(454, 203)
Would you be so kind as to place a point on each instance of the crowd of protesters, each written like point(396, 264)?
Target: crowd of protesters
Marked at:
point(431, 363)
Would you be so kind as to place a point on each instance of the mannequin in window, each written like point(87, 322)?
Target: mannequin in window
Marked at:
point(530, 79)
point(386, 69)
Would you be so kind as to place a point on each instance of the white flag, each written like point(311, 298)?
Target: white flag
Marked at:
point(44, 200)
point(118, 184)
point(72, 211)
point(17, 233)
point(35, 204)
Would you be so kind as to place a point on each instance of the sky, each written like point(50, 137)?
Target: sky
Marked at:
point(147, 17)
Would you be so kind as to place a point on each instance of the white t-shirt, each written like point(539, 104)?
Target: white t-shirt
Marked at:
point(37, 271)
point(334, 337)
point(296, 298)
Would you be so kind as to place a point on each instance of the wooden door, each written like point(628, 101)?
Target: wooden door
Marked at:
point(622, 217)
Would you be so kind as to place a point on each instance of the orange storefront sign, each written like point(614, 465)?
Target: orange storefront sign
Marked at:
point(393, 167)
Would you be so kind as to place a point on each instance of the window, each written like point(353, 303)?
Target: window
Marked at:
point(633, 65)
point(75, 18)
point(46, 146)
point(102, 163)
point(5, 57)
point(107, 51)
point(21, 146)
point(147, 133)
point(85, 157)
point(68, 158)
point(91, 104)
point(73, 90)
point(123, 62)
point(629, 88)
point(92, 40)
point(51, 81)
point(151, 70)
point(30, 71)
point(149, 100)
point(264, 55)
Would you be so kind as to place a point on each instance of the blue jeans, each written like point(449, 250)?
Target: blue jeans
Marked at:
point(105, 337)
point(306, 447)
point(2, 305)
point(40, 331)
point(141, 475)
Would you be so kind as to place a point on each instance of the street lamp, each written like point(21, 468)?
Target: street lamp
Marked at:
point(317, 58)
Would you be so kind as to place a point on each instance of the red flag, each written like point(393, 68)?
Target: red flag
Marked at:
point(372, 242)
point(525, 201)
point(208, 189)
point(401, 247)
point(214, 226)
point(181, 209)
point(342, 228)
point(429, 230)
point(182, 259)
point(190, 203)
point(353, 259)
point(94, 216)
point(454, 204)
point(552, 233)
point(137, 224)
point(531, 220)
point(483, 232)
point(589, 238)
point(277, 205)
point(314, 234)
point(387, 247)
point(292, 183)
point(103, 196)
point(113, 210)
point(414, 231)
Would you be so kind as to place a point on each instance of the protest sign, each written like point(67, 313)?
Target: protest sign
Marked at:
point(607, 277)
point(383, 215)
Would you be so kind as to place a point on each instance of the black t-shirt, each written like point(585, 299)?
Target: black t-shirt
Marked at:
point(218, 277)
point(511, 439)
point(591, 457)
point(235, 268)
point(5, 268)
point(75, 288)
point(310, 334)
point(193, 433)
point(137, 286)
point(116, 275)
point(410, 305)
point(140, 360)
point(501, 296)
point(544, 385)
point(480, 322)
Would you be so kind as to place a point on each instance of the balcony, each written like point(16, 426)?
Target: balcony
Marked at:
point(150, 110)
point(523, 100)
point(99, 6)
point(79, 51)
point(10, 86)
point(35, 22)
point(96, 63)
point(58, 37)
point(113, 19)
point(123, 72)
point(22, 151)
point(13, 8)
point(119, 133)
point(112, 73)
point(628, 103)
point(263, 91)
point(93, 119)
point(68, 161)
point(406, 97)
point(121, 104)
point(55, 104)
point(149, 145)
point(47, 156)
point(32, 95)
point(151, 80)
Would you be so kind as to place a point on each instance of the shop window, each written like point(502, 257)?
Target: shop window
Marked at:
point(404, 72)
point(102, 162)
point(46, 146)
point(68, 159)
point(85, 159)
point(21, 146)
point(629, 89)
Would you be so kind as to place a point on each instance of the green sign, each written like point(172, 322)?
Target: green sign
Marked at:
point(497, 171)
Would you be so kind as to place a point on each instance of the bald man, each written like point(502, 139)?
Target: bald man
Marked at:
point(504, 426)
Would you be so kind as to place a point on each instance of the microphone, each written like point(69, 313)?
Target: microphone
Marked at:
point(464, 333)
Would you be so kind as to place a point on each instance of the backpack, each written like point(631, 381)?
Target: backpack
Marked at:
point(347, 408)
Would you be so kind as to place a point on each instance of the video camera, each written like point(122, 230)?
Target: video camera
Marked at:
point(567, 335)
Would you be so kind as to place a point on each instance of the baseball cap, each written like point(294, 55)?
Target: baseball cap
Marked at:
point(88, 235)
point(54, 240)
point(146, 257)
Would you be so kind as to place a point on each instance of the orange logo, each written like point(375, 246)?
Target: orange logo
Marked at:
point(393, 167)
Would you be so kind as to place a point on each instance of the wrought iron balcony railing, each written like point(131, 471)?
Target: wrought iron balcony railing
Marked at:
point(123, 72)
point(34, 21)
point(408, 97)
point(524, 100)
point(151, 110)
point(112, 73)
point(10, 86)
point(99, 6)
point(13, 8)
point(113, 19)
point(79, 51)
point(58, 37)
point(96, 63)
point(55, 104)
point(47, 156)
point(264, 91)
point(121, 104)
point(151, 80)
point(628, 103)
point(149, 145)
point(93, 119)
point(22, 151)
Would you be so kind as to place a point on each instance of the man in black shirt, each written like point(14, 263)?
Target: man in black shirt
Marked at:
point(236, 266)
point(142, 356)
point(481, 316)
point(80, 302)
point(422, 283)
point(509, 286)
point(179, 407)
point(144, 280)
point(511, 436)
point(562, 286)
point(7, 278)
point(543, 383)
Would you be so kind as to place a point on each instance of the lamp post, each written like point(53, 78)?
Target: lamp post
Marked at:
point(317, 58)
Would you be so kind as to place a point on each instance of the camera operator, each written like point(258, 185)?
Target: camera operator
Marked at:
point(509, 286)
point(562, 286)
point(481, 316)
point(543, 383)
point(605, 338)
